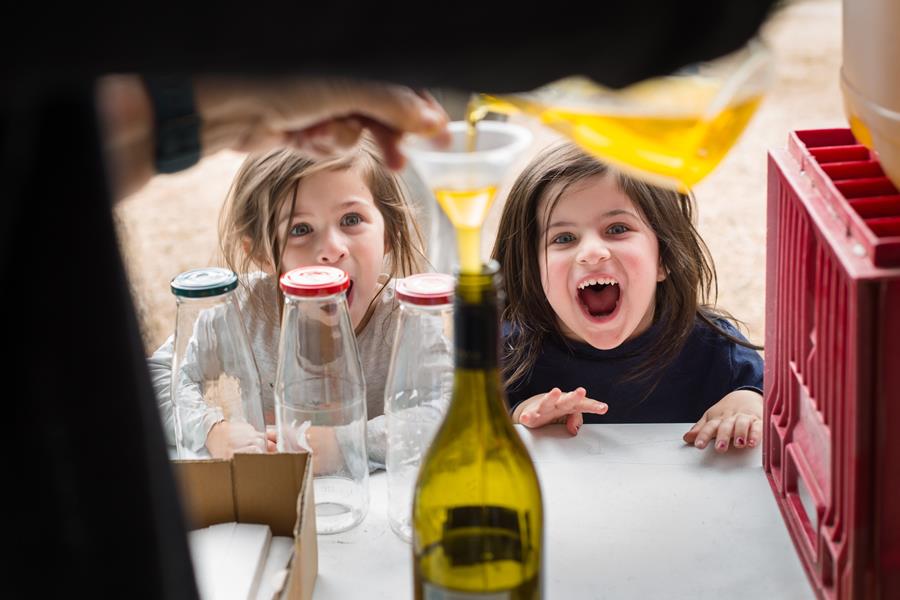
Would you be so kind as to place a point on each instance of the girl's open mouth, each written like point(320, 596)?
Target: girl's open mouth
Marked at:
point(350, 294)
point(599, 298)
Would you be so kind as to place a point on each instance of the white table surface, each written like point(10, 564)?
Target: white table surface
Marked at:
point(630, 511)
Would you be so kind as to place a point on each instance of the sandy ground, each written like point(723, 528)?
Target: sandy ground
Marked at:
point(170, 226)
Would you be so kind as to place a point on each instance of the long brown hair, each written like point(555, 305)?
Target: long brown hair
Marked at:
point(687, 293)
point(248, 225)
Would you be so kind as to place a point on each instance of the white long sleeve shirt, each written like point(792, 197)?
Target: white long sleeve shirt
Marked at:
point(263, 330)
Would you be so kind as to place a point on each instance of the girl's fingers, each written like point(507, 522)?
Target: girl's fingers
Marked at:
point(526, 419)
point(589, 405)
point(756, 433)
point(576, 402)
point(552, 397)
point(741, 430)
point(564, 402)
point(706, 433)
point(536, 414)
point(724, 434)
point(574, 423)
point(545, 410)
point(691, 434)
point(557, 406)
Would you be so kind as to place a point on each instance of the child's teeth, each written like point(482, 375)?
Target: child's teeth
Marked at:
point(602, 281)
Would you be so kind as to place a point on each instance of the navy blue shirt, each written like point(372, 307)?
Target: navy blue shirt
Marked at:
point(707, 368)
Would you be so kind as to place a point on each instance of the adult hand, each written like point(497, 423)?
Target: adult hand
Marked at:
point(320, 117)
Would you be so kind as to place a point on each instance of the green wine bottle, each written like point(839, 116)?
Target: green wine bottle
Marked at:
point(477, 510)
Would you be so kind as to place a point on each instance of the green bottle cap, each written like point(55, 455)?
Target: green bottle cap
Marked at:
point(204, 283)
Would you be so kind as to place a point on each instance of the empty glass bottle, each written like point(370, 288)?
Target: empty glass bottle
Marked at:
point(214, 374)
point(320, 394)
point(418, 387)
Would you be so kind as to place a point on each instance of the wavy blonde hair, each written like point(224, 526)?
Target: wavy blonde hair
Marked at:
point(248, 224)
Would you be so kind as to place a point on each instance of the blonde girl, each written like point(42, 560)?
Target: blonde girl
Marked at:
point(284, 211)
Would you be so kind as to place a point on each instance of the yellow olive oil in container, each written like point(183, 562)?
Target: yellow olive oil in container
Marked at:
point(670, 131)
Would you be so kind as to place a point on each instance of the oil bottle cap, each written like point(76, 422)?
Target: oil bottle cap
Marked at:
point(204, 283)
point(315, 281)
point(426, 289)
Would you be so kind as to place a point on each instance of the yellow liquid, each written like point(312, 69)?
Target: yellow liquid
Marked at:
point(860, 131)
point(467, 210)
point(657, 130)
point(477, 508)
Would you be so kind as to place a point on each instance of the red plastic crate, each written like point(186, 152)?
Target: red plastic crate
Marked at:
point(832, 384)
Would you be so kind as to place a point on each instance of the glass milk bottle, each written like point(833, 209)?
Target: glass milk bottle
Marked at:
point(418, 387)
point(320, 394)
point(214, 374)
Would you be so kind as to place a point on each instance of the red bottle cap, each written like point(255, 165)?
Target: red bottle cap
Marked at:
point(315, 281)
point(426, 289)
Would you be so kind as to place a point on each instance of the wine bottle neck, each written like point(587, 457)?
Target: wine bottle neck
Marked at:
point(476, 334)
point(477, 389)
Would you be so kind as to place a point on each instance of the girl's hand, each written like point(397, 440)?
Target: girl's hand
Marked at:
point(321, 442)
point(738, 415)
point(271, 438)
point(557, 406)
point(225, 439)
point(326, 451)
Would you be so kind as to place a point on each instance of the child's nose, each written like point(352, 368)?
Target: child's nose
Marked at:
point(592, 250)
point(333, 249)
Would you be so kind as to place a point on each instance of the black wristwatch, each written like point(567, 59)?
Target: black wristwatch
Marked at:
point(177, 124)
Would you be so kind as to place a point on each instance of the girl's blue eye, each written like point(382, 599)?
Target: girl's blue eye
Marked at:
point(300, 229)
point(564, 238)
point(351, 220)
point(618, 229)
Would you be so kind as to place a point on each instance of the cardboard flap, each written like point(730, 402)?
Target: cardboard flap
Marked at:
point(302, 579)
point(267, 488)
point(206, 491)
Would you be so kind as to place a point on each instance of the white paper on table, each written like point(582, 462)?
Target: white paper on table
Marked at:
point(275, 571)
point(229, 559)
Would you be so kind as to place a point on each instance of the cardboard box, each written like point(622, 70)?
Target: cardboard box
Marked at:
point(274, 489)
